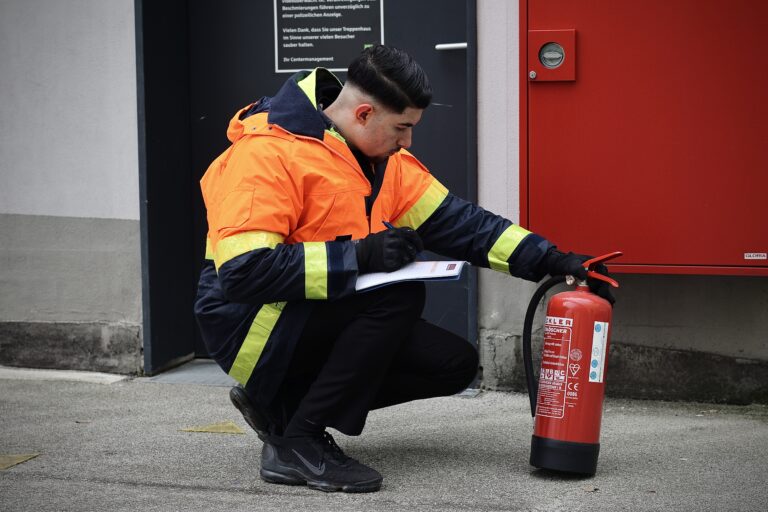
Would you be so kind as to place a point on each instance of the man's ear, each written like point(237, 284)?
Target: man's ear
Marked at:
point(363, 113)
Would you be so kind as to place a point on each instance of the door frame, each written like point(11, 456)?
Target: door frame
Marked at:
point(523, 120)
point(162, 79)
point(472, 187)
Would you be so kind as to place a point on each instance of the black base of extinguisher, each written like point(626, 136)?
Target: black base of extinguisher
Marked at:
point(564, 456)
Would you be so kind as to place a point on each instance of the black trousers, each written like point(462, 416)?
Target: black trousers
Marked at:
point(368, 351)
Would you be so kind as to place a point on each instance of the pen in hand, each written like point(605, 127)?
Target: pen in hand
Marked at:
point(419, 255)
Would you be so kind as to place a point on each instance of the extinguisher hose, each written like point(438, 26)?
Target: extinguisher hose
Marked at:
point(533, 387)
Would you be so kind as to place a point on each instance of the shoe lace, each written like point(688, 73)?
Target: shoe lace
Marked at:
point(333, 450)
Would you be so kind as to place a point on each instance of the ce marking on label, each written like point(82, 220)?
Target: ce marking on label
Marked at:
point(573, 386)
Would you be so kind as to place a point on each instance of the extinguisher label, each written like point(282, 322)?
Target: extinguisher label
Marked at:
point(554, 378)
point(599, 341)
point(559, 322)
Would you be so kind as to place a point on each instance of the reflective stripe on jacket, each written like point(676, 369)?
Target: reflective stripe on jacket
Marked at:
point(284, 203)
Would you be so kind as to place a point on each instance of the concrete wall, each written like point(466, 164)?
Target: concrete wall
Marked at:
point(70, 269)
point(699, 337)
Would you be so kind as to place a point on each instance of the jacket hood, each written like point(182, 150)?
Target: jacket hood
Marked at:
point(296, 107)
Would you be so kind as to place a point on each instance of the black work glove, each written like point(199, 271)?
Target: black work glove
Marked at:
point(388, 250)
point(570, 264)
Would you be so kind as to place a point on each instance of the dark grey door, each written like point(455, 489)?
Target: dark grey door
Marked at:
point(232, 64)
point(445, 139)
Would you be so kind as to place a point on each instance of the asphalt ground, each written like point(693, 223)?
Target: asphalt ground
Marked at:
point(121, 446)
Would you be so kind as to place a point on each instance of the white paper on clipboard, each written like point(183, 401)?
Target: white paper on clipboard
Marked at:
point(416, 271)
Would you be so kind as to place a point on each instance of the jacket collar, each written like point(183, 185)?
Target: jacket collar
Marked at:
point(296, 106)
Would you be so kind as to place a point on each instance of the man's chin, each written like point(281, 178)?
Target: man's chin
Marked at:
point(383, 158)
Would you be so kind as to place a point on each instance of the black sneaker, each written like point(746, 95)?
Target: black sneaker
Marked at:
point(317, 462)
point(256, 418)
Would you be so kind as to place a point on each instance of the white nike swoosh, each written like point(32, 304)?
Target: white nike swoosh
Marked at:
point(316, 470)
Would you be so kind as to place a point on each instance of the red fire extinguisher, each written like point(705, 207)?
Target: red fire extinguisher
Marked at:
point(567, 403)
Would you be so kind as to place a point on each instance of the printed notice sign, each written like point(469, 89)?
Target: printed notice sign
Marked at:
point(324, 33)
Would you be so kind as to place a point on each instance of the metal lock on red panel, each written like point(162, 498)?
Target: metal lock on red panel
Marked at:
point(552, 55)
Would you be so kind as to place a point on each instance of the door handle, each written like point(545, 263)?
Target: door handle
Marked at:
point(441, 47)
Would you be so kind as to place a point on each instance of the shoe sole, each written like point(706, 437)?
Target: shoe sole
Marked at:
point(242, 403)
point(280, 478)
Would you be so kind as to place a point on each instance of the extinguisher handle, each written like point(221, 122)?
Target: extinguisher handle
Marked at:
point(590, 264)
point(601, 277)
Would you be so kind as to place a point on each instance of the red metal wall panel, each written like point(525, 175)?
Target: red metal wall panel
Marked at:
point(658, 147)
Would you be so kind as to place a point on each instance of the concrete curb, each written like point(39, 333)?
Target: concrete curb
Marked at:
point(63, 375)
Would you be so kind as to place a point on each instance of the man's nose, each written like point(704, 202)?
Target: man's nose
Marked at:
point(405, 141)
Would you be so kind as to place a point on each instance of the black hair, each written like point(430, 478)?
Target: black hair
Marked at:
point(391, 76)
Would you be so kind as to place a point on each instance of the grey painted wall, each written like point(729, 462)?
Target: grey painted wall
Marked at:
point(670, 315)
point(68, 269)
point(70, 265)
point(68, 131)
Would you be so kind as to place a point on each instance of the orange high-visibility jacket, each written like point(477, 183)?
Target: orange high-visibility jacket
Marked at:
point(286, 201)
